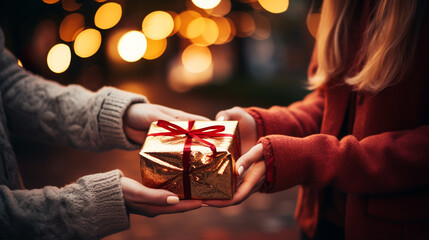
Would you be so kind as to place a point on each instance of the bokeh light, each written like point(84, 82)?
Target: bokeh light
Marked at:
point(226, 30)
point(50, 1)
point(158, 25)
point(274, 6)
point(155, 48)
point(59, 58)
point(186, 17)
point(196, 59)
point(87, 43)
point(71, 5)
point(71, 26)
point(262, 27)
point(222, 9)
point(132, 46)
point(313, 20)
point(195, 28)
point(244, 23)
point(20, 63)
point(204, 33)
point(177, 22)
point(108, 15)
point(206, 4)
point(182, 80)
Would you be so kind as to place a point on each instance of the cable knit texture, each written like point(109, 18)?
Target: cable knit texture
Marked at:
point(31, 106)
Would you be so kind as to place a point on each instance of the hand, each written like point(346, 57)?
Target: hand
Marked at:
point(139, 116)
point(247, 126)
point(150, 202)
point(252, 169)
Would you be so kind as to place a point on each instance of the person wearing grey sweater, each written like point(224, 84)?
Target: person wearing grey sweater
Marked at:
point(95, 205)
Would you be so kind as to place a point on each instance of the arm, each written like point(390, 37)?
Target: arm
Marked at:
point(68, 115)
point(89, 209)
point(300, 119)
point(95, 206)
point(387, 162)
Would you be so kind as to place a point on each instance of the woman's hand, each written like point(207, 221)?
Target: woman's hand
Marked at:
point(247, 126)
point(150, 202)
point(139, 116)
point(251, 170)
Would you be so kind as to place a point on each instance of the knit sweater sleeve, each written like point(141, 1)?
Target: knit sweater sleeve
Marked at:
point(91, 208)
point(387, 162)
point(300, 119)
point(72, 115)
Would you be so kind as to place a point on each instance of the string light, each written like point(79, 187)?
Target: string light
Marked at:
point(132, 46)
point(158, 25)
point(196, 59)
point(206, 4)
point(87, 43)
point(108, 15)
point(274, 6)
point(59, 58)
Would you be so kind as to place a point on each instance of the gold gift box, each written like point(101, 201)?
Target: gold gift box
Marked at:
point(208, 177)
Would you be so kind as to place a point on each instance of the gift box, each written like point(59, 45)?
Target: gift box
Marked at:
point(193, 159)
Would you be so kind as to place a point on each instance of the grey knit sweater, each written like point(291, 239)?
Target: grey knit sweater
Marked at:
point(92, 207)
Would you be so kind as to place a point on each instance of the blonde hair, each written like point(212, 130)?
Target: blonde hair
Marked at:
point(389, 43)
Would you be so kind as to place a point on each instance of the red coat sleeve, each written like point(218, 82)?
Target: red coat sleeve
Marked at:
point(299, 119)
point(387, 162)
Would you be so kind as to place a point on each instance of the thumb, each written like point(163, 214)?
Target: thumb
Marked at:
point(255, 154)
point(235, 113)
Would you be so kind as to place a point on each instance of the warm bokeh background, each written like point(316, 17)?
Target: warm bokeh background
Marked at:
point(241, 53)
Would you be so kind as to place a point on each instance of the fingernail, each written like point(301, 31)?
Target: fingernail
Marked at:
point(240, 170)
point(172, 200)
point(221, 118)
point(204, 205)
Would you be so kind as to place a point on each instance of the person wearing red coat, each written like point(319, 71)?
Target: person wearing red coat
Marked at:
point(359, 152)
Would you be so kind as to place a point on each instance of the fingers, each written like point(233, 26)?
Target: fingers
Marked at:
point(134, 192)
point(235, 113)
point(181, 115)
point(152, 211)
point(134, 135)
point(252, 182)
point(255, 154)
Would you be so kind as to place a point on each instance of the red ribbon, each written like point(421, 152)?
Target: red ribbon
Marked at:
point(197, 134)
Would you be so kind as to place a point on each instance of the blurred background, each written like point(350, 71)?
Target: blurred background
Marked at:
point(200, 56)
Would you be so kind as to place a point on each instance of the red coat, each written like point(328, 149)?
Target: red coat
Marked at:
point(382, 166)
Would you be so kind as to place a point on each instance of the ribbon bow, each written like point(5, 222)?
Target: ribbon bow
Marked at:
point(197, 134)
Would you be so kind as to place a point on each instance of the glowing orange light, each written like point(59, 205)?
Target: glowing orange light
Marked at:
point(206, 4)
point(177, 22)
point(59, 58)
point(222, 9)
point(20, 63)
point(132, 46)
point(195, 27)
point(225, 30)
point(263, 27)
point(155, 48)
point(158, 25)
point(244, 23)
point(71, 26)
point(186, 18)
point(196, 58)
point(313, 20)
point(274, 6)
point(71, 5)
point(108, 15)
point(50, 1)
point(87, 43)
point(181, 80)
point(207, 31)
